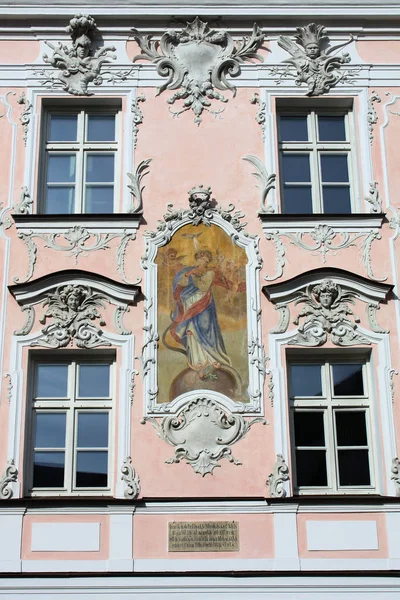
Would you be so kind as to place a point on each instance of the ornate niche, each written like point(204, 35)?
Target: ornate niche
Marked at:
point(197, 61)
point(202, 324)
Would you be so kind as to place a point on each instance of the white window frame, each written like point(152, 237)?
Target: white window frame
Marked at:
point(328, 404)
point(315, 148)
point(71, 405)
point(81, 148)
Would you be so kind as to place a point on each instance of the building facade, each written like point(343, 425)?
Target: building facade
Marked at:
point(200, 339)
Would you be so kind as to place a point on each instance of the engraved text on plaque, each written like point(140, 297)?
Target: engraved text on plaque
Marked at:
point(203, 536)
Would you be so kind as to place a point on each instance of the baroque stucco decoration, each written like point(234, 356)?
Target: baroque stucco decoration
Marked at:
point(267, 183)
point(202, 432)
point(131, 480)
point(325, 240)
point(73, 302)
point(135, 186)
point(197, 61)
point(78, 241)
point(327, 296)
point(77, 65)
point(326, 312)
point(10, 476)
point(277, 478)
point(395, 477)
point(317, 66)
point(202, 210)
point(73, 311)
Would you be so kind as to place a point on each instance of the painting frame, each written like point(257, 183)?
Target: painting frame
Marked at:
point(173, 221)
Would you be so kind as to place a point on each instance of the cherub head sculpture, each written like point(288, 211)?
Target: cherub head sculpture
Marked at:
point(326, 292)
point(311, 37)
point(82, 29)
point(73, 296)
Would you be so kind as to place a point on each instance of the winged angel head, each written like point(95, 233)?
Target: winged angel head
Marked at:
point(316, 65)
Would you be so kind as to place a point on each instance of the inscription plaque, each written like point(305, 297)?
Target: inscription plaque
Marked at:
point(203, 536)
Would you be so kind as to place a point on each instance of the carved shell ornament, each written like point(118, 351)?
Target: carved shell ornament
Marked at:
point(320, 68)
point(197, 61)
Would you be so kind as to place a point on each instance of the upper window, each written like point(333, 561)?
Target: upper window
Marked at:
point(315, 162)
point(69, 418)
point(79, 159)
point(330, 417)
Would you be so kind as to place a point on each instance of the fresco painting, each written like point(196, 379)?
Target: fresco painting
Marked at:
point(202, 315)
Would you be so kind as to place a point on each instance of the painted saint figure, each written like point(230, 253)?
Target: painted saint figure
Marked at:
point(195, 322)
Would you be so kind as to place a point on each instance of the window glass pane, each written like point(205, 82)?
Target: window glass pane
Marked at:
point(334, 168)
point(63, 128)
point(94, 380)
point(60, 200)
point(297, 200)
point(51, 381)
point(48, 469)
point(353, 467)
point(305, 380)
point(296, 167)
point(99, 199)
point(50, 430)
point(311, 468)
point(293, 129)
point(331, 129)
point(92, 430)
point(351, 428)
point(347, 379)
point(336, 199)
point(309, 428)
point(101, 128)
point(92, 469)
point(100, 168)
point(61, 168)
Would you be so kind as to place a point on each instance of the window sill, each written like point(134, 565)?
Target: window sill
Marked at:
point(302, 222)
point(114, 222)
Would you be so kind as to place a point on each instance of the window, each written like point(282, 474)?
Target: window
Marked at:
point(70, 419)
point(330, 421)
point(79, 162)
point(315, 162)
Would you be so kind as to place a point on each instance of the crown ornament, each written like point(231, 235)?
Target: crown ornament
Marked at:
point(310, 34)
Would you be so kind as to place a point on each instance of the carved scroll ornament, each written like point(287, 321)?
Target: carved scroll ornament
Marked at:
point(317, 67)
point(10, 475)
point(202, 433)
point(131, 480)
point(197, 61)
point(277, 478)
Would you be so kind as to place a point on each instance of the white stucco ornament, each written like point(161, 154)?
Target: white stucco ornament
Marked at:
point(327, 312)
point(197, 61)
point(202, 432)
point(77, 65)
point(316, 66)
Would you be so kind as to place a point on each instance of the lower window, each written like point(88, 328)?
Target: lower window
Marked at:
point(330, 416)
point(70, 422)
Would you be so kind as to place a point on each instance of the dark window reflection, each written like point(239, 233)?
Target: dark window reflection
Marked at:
point(309, 428)
point(306, 380)
point(347, 379)
point(93, 430)
point(351, 428)
point(293, 129)
point(311, 468)
point(353, 467)
point(48, 469)
point(50, 430)
point(92, 469)
point(331, 129)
